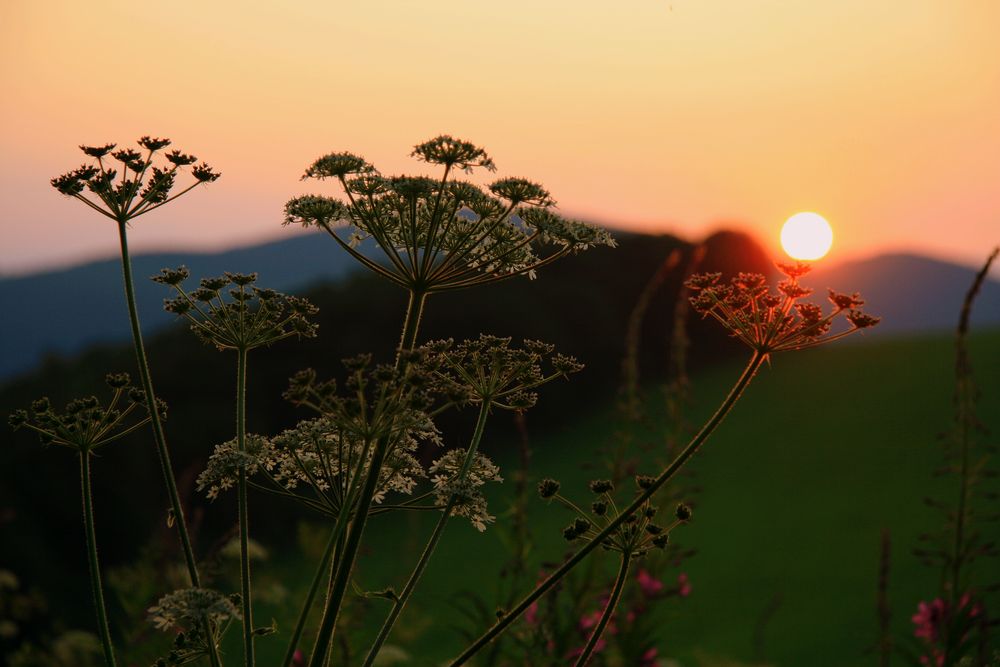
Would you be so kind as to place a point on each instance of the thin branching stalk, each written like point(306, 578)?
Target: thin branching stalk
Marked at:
point(400, 602)
point(609, 610)
point(748, 373)
point(241, 435)
point(95, 568)
point(322, 572)
point(158, 435)
point(345, 565)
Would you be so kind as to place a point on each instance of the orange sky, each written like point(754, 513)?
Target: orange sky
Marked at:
point(672, 115)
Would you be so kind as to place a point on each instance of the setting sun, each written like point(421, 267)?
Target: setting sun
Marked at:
point(806, 236)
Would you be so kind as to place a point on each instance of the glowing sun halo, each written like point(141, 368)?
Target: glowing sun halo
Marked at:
point(806, 236)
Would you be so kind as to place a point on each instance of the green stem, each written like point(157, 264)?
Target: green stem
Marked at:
point(95, 568)
point(154, 416)
point(414, 310)
point(665, 476)
point(345, 565)
point(241, 441)
point(425, 557)
point(322, 571)
point(616, 594)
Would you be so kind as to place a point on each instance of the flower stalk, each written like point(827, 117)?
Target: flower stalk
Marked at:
point(345, 564)
point(95, 568)
point(403, 596)
point(609, 610)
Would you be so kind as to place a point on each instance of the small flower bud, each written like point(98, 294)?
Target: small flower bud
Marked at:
point(644, 481)
point(683, 512)
point(17, 419)
point(548, 488)
point(661, 541)
point(599, 508)
point(581, 525)
point(601, 486)
point(117, 380)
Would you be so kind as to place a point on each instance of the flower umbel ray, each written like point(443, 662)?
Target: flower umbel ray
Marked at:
point(438, 233)
point(769, 321)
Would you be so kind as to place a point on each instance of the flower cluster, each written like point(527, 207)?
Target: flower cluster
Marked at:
point(85, 423)
point(635, 536)
point(125, 182)
point(458, 481)
point(771, 321)
point(945, 629)
point(441, 234)
point(187, 613)
point(317, 463)
point(249, 318)
point(489, 370)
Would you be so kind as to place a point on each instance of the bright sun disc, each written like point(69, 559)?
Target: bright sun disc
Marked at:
point(806, 236)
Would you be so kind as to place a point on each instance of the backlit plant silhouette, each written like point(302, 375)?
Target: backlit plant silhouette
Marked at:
point(356, 456)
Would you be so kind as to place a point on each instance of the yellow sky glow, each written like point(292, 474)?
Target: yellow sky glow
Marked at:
point(671, 115)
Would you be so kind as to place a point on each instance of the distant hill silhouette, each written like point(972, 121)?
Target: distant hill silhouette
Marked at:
point(61, 312)
point(910, 292)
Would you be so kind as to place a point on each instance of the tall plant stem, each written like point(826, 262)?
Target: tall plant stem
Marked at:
point(154, 416)
point(345, 564)
point(425, 557)
point(95, 568)
point(241, 441)
point(322, 572)
point(609, 609)
point(665, 476)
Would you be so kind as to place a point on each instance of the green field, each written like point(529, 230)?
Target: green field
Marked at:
point(826, 448)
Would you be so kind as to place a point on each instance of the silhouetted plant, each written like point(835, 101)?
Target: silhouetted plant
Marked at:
point(357, 456)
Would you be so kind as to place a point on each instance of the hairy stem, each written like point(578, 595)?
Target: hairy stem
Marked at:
point(322, 572)
point(665, 476)
point(241, 441)
point(425, 557)
point(154, 416)
point(609, 609)
point(345, 566)
point(95, 568)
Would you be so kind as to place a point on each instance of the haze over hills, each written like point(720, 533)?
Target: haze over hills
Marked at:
point(61, 312)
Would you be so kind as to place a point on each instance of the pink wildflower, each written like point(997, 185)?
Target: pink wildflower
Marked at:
point(648, 659)
point(298, 659)
point(531, 614)
point(648, 584)
point(928, 619)
point(683, 585)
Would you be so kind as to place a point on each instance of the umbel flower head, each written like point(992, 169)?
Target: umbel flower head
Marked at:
point(243, 318)
point(770, 321)
point(320, 461)
point(459, 479)
point(488, 369)
point(187, 613)
point(438, 233)
point(85, 423)
point(317, 463)
point(636, 536)
point(125, 183)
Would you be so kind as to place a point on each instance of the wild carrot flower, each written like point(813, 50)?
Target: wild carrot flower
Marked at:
point(441, 234)
point(125, 184)
point(86, 424)
point(769, 321)
point(246, 318)
point(187, 613)
point(451, 478)
point(488, 369)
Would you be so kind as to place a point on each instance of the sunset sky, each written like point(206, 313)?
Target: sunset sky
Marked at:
point(657, 115)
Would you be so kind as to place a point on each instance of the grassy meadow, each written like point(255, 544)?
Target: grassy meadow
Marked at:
point(826, 449)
